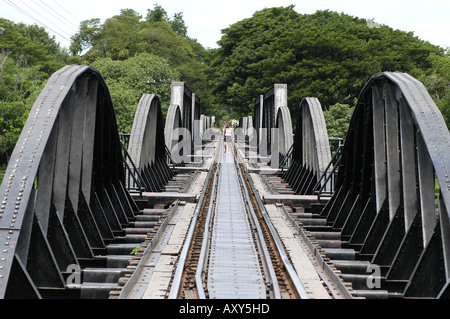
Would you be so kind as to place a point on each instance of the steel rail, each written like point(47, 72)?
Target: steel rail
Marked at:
point(206, 238)
point(175, 288)
point(205, 246)
point(263, 246)
point(298, 285)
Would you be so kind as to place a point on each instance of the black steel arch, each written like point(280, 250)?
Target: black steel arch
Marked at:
point(311, 149)
point(63, 192)
point(147, 134)
point(188, 104)
point(396, 148)
point(147, 147)
point(173, 121)
point(272, 124)
point(283, 123)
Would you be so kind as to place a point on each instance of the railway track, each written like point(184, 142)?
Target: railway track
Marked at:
point(232, 252)
point(207, 265)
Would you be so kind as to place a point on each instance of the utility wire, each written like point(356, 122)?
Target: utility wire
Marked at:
point(57, 16)
point(40, 15)
point(70, 14)
point(33, 18)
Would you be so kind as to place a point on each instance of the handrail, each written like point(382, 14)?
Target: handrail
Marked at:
point(335, 161)
point(139, 181)
point(286, 158)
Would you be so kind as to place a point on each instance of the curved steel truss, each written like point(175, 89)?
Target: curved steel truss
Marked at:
point(63, 194)
point(273, 125)
point(183, 128)
point(147, 148)
point(395, 159)
point(311, 149)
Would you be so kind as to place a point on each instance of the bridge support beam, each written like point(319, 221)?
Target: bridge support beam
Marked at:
point(395, 157)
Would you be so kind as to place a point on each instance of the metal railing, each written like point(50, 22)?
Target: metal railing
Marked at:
point(285, 161)
point(326, 183)
point(134, 179)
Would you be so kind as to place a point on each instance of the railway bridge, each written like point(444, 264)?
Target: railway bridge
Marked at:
point(166, 213)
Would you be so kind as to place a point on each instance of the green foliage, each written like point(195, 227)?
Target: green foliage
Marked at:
point(337, 119)
point(132, 54)
point(28, 55)
point(326, 55)
point(128, 80)
point(34, 44)
point(126, 35)
point(437, 82)
point(20, 85)
point(159, 14)
point(135, 250)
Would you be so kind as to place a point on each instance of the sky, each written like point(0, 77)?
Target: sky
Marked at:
point(429, 20)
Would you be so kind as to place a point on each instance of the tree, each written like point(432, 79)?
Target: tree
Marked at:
point(127, 35)
point(89, 33)
point(326, 55)
point(128, 80)
point(178, 25)
point(438, 83)
point(158, 14)
point(28, 56)
point(33, 43)
point(337, 119)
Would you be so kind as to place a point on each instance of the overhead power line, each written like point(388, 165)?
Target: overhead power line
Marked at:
point(57, 15)
point(68, 12)
point(23, 11)
point(44, 18)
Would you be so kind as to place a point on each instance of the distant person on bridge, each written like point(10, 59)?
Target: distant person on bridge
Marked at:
point(227, 135)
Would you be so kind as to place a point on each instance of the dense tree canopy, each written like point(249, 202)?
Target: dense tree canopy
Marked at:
point(28, 56)
point(127, 34)
point(326, 55)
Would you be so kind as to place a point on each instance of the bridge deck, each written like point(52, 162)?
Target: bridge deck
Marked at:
point(234, 270)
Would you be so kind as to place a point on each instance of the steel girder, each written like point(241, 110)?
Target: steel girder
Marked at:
point(63, 192)
point(246, 124)
point(271, 114)
point(311, 150)
point(258, 115)
point(184, 112)
point(147, 147)
point(173, 122)
point(396, 151)
point(206, 124)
